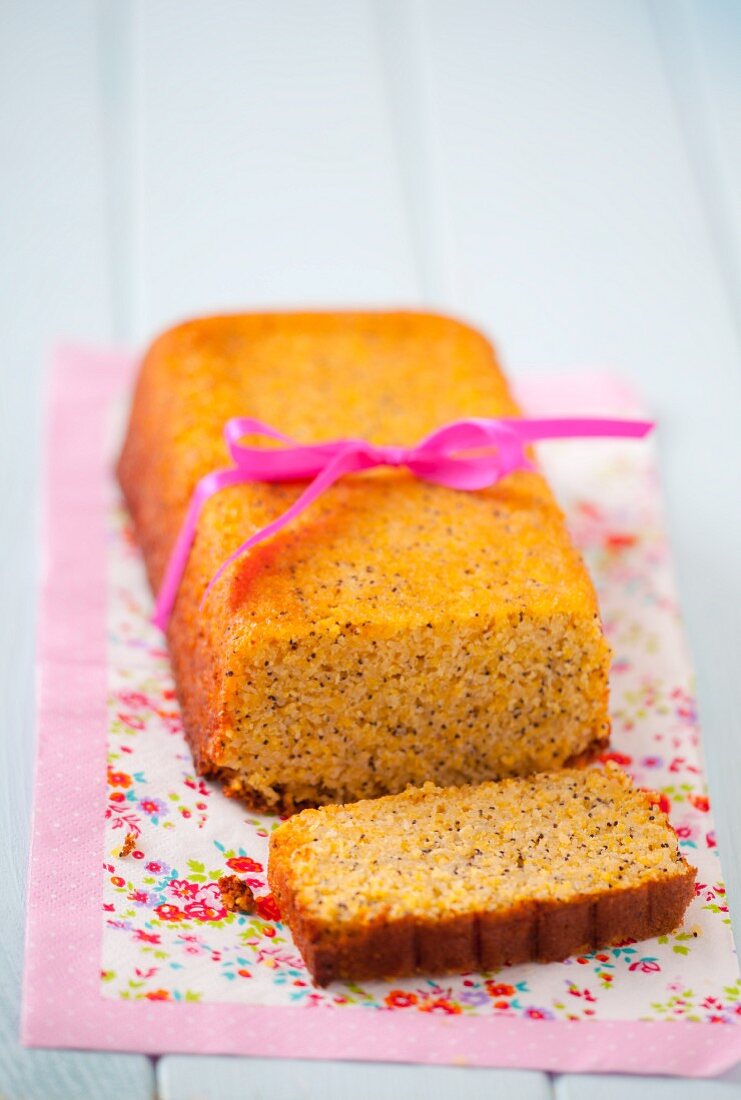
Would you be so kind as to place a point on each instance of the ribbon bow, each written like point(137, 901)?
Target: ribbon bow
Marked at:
point(440, 458)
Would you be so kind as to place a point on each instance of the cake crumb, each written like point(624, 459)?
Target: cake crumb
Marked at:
point(236, 894)
point(128, 845)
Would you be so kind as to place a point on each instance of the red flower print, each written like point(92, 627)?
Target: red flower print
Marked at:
point(700, 802)
point(181, 888)
point(576, 992)
point(169, 912)
point(616, 758)
point(441, 1005)
point(620, 541)
point(646, 966)
point(117, 796)
point(201, 910)
point(243, 864)
point(155, 867)
point(535, 1014)
point(119, 779)
point(499, 989)
point(117, 880)
point(398, 999)
point(146, 937)
point(710, 839)
point(157, 995)
point(133, 721)
point(267, 907)
point(140, 896)
point(133, 700)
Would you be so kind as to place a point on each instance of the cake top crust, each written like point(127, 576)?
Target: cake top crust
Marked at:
point(378, 551)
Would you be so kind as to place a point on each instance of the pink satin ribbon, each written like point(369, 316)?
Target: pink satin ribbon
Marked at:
point(439, 458)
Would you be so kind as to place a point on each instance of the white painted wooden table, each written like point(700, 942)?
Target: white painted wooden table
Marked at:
point(565, 173)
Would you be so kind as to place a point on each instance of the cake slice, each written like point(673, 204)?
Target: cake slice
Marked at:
point(397, 632)
point(436, 880)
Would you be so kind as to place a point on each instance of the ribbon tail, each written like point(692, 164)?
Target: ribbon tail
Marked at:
point(176, 565)
point(168, 590)
point(345, 462)
point(534, 429)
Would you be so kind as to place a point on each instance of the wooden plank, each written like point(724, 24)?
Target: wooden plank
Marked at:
point(586, 1087)
point(700, 43)
point(264, 171)
point(261, 1079)
point(574, 227)
point(54, 281)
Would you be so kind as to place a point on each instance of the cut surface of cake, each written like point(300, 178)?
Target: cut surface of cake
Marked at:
point(435, 880)
point(398, 631)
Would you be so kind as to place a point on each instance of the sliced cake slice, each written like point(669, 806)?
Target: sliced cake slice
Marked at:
point(461, 878)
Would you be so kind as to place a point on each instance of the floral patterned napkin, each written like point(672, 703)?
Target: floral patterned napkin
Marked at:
point(167, 936)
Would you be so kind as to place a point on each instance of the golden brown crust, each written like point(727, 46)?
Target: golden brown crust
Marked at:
point(590, 753)
point(533, 932)
point(235, 787)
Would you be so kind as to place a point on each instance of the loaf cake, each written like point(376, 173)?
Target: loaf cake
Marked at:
point(397, 632)
point(465, 878)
